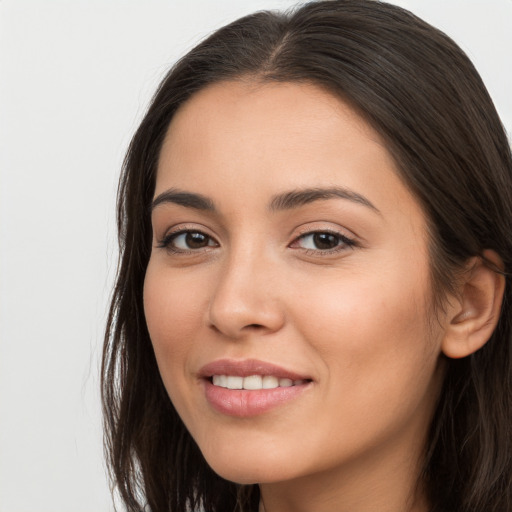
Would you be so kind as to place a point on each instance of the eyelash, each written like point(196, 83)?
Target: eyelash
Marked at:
point(166, 241)
point(344, 242)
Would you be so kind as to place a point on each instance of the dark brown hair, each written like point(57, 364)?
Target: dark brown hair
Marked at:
point(417, 88)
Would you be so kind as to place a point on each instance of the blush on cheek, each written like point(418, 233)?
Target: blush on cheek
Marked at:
point(172, 316)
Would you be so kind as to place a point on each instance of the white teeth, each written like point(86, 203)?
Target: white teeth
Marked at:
point(254, 382)
point(220, 380)
point(234, 382)
point(270, 382)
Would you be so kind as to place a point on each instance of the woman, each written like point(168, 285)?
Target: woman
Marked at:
point(311, 310)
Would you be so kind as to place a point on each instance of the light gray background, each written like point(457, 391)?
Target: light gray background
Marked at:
point(75, 78)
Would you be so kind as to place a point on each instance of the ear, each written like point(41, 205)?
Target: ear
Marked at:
point(475, 313)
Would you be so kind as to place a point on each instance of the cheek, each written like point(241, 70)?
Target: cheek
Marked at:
point(374, 299)
point(373, 333)
point(173, 313)
point(379, 358)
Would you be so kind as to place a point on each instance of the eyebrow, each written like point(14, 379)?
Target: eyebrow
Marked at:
point(187, 199)
point(297, 198)
point(285, 201)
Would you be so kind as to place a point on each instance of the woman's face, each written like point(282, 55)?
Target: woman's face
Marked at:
point(288, 258)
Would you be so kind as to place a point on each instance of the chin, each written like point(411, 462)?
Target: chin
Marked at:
point(249, 475)
point(246, 469)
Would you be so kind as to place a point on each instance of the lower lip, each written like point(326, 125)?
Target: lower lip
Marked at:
point(245, 403)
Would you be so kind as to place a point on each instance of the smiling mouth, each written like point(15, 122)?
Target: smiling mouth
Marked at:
point(250, 387)
point(254, 382)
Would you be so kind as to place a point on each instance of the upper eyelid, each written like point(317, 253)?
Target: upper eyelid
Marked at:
point(334, 231)
point(321, 227)
point(300, 231)
point(175, 236)
point(348, 240)
point(324, 231)
point(185, 227)
point(165, 240)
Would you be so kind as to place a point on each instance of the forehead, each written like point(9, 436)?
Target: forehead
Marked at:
point(242, 140)
point(270, 116)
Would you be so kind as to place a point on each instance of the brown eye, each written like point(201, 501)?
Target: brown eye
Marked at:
point(323, 241)
point(186, 241)
point(196, 240)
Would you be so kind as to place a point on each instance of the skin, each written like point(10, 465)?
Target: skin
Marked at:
point(355, 318)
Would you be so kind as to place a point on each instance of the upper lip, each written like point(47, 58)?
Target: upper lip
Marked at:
point(246, 367)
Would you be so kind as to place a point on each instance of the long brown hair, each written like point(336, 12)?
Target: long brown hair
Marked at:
point(417, 88)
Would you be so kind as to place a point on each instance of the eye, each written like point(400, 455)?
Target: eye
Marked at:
point(323, 241)
point(187, 241)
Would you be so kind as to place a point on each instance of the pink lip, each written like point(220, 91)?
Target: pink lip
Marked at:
point(246, 403)
point(246, 367)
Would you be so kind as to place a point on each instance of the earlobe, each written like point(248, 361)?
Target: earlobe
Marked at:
point(478, 307)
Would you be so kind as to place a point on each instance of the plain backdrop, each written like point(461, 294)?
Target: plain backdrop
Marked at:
point(75, 79)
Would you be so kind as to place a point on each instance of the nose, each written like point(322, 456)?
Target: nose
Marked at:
point(246, 298)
